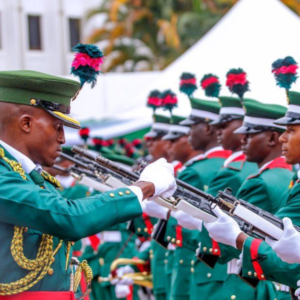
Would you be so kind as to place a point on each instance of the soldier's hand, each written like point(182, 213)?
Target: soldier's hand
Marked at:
point(161, 175)
point(288, 246)
point(122, 291)
point(120, 272)
point(224, 230)
point(187, 221)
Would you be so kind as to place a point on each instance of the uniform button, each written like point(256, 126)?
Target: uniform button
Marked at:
point(249, 273)
point(173, 240)
point(166, 261)
point(204, 249)
point(167, 254)
point(139, 229)
point(127, 192)
point(151, 256)
point(101, 261)
point(233, 297)
point(210, 250)
point(121, 193)
point(262, 276)
point(32, 101)
point(72, 243)
point(255, 274)
point(151, 251)
point(192, 270)
point(216, 250)
point(112, 195)
point(178, 242)
point(192, 262)
point(181, 261)
point(146, 229)
point(208, 275)
point(50, 271)
point(168, 238)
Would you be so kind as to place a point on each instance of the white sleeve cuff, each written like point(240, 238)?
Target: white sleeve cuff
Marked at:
point(138, 192)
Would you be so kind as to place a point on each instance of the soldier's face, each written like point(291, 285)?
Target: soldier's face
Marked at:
point(159, 148)
point(179, 149)
point(290, 140)
point(255, 146)
point(225, 136)
point(46, 138)
point(198, 135)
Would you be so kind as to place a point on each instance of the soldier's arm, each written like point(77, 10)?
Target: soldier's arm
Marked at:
point(191, 177)
point(25, 204)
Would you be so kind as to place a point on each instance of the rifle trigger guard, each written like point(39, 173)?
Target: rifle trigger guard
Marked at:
point(233, 207)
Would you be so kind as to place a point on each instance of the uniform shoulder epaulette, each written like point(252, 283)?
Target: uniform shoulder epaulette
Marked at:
point(51, 179)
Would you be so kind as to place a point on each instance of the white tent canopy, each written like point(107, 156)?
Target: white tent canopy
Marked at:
point(252, 35)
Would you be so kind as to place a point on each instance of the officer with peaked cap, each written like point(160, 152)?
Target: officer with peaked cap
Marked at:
point(37, 225)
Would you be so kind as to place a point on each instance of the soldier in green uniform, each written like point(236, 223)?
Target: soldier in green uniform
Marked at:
point(34, 108)
point(265, 188)
point(198, 171)
point(177, 271)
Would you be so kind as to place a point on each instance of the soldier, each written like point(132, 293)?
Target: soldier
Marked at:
point(266, 188)
point(34, 108)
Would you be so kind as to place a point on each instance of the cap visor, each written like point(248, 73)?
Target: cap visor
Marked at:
point(216, 122)
point(67, 119)
point(187, 122)
point(172, 136)
point(245, 130)
point(151, 134)
point(286, 121)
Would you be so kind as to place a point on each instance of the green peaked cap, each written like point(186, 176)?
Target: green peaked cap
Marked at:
point(176, 130)
point(202, 111)
point(260, 117)
point(292, 115)
point(160, 126)
point(230, 102)
point(40, 90)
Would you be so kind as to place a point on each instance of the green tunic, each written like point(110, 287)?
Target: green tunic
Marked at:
point(23, 203)
point(191, 278)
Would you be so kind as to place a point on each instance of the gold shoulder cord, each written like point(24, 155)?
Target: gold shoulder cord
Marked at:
point(45, 257)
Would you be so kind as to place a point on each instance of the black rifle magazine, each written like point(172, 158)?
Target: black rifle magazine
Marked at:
point(209, 259)
point(159, 233)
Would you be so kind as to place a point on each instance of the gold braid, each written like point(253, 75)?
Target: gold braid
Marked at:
point(87, 271)
point(45, 257)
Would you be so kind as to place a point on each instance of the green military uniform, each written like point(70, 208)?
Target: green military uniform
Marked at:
point(265, 189)
point(190, 277)
point(32, 202)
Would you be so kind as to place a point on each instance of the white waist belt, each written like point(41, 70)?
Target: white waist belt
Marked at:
point(111, 236)
point(232, 267)
point(284, 288)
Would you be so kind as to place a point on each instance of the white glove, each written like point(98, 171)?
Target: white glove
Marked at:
point(120, 272)
point(297, 292)
point(240, 260)
point(161, 174)
point(224, 230)
point(155, 210)
point(187, 221)
point(122, 291)
point(288, 246)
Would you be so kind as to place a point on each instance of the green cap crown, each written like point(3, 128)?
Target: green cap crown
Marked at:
point(21, 86)
point(294, 98)
point(205, 105)
point(230, 102)
point(162, 119)
point(177, 119)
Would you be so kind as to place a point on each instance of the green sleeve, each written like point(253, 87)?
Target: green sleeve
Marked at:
point(23, 203)
point(190, 176)
point(272, 267)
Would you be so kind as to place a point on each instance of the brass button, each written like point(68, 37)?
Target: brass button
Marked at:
point(101, 261)
point(249, 273)
point(32, 101)
point(112, 194)
point(50, 271)
point(262, 276)
point(233, 297)
point(139, 229)
point(166, 261)
point(181, 261)
point(151, 251)
point(216, 250)
point(192, 262)
point(173, 240)
point(255, 274)
point(121, 193)
point(151, 256)
point(167, 254)
point(204, 249)
point(208, 275)
point(127, 192)
point(168, 238)
point(192, 270)
point(210, 250)
point(178, 242)
point(146, 229)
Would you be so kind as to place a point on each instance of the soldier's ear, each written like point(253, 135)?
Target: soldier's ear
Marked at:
point(25, 123)
point(273, 138)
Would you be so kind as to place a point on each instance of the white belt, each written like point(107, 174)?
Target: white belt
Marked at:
point(284, 288)
point(232, 267)
point(111, 236)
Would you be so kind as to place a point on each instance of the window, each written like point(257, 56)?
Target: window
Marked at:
point(74, 27)
point(34, 32)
